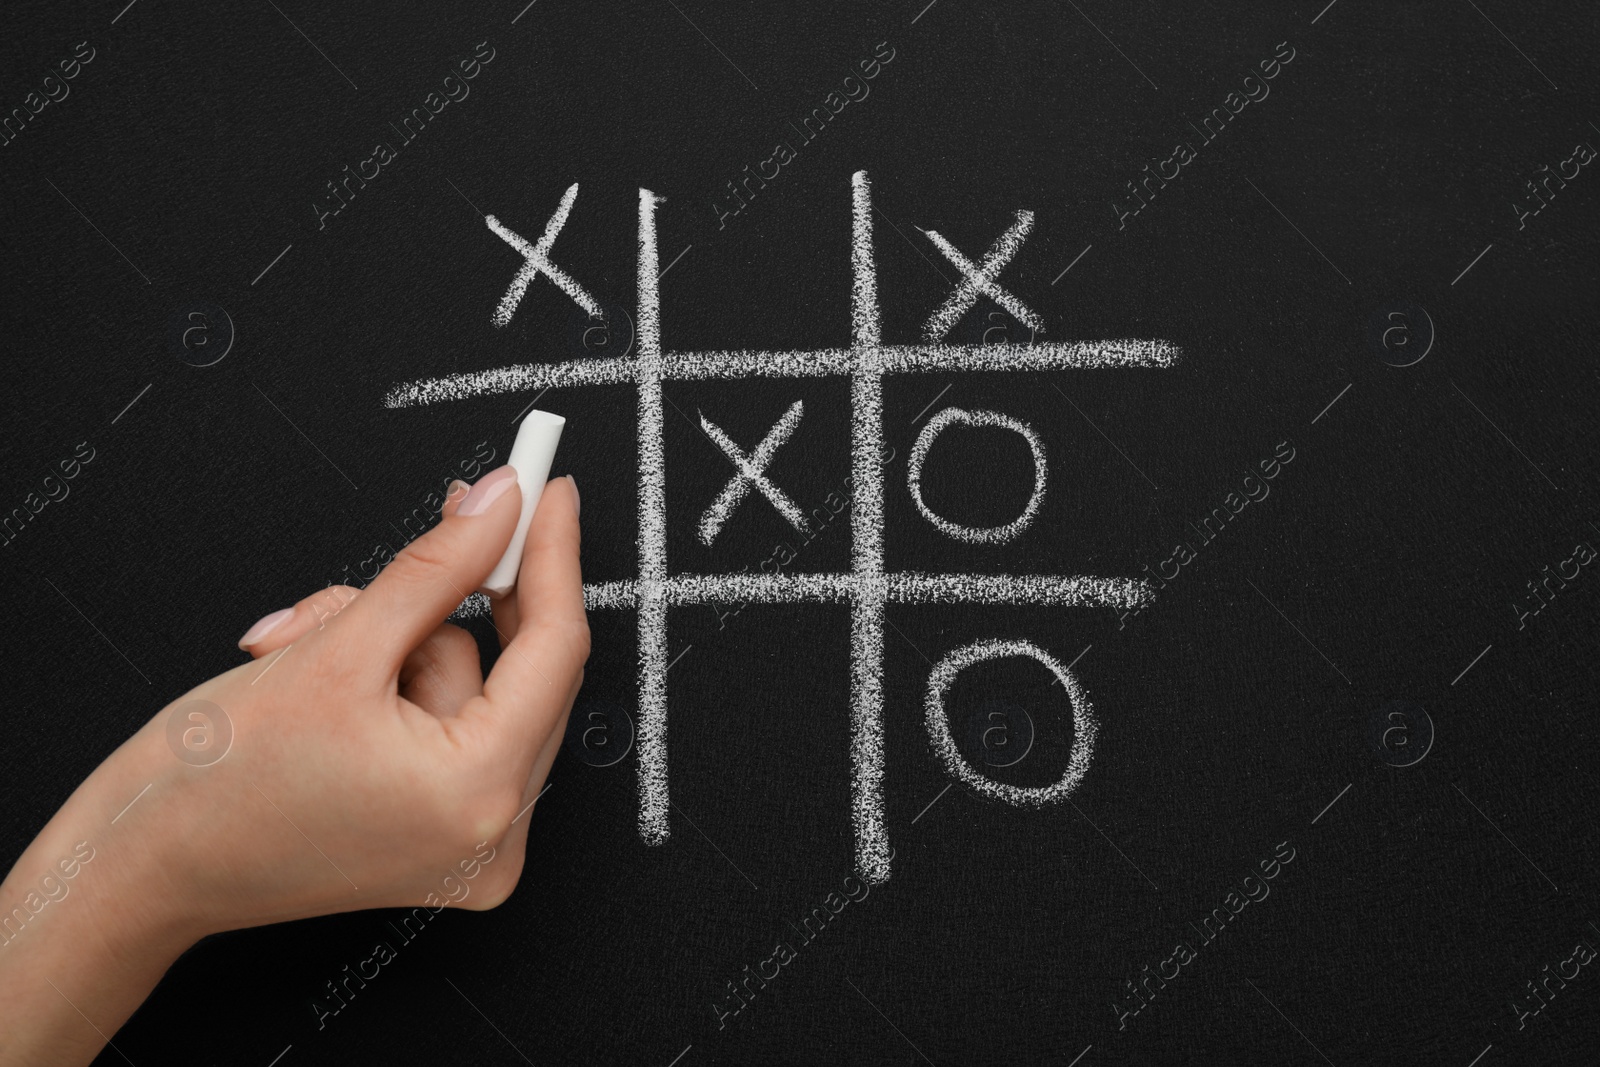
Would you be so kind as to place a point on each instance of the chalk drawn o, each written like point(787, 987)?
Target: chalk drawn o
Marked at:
point(988, 535)
point(1084, 726)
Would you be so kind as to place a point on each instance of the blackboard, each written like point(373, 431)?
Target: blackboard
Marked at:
point(1296, 305)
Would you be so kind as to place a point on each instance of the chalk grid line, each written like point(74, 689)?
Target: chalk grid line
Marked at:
point(867, 588)
point(735, 364)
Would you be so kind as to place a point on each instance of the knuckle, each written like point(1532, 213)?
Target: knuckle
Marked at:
point(496, 884)
point(341, 656)
point(563, 645)
point(571, 635)
point(491, 813)
point(581, 642)
point(422, 562)
point(324, 604)
point(456, 640)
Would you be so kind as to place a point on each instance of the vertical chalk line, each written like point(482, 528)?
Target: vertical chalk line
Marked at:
point(866, 519)
point(654, 823)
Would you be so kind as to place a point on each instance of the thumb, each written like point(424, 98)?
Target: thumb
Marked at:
point(435, 573)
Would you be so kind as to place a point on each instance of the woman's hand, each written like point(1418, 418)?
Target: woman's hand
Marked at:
point(360, 760)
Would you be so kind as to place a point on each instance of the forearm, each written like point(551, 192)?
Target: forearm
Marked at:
point(86, 931)
point(344, 781)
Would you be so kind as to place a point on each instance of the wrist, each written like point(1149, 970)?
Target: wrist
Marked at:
point(84, 934)
point(101, 881)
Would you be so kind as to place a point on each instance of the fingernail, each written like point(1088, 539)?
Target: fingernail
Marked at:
point(487, 490)
point(264, 626)
point(577, 500)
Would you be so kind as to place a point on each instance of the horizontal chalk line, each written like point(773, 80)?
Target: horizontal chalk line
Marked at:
point(905, 587)
point(816, 363)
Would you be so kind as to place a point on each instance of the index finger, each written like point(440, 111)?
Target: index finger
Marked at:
point(538, 673)
point(432, 575)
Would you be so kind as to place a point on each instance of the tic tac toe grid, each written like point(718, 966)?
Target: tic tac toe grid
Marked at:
point(867, 588)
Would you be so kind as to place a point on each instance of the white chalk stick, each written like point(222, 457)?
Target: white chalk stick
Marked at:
point(531, 454)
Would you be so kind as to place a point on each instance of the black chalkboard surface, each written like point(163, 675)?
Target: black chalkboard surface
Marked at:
point(1114, 487)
